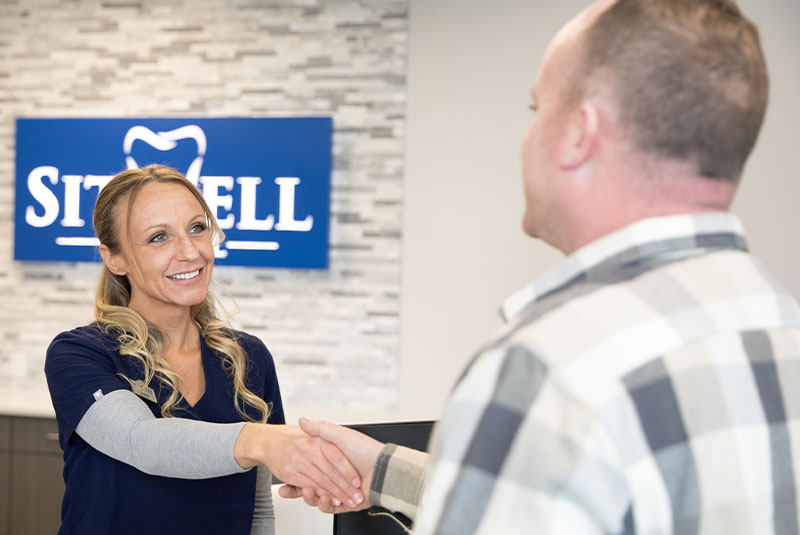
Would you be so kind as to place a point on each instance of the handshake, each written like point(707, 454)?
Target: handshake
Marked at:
point(329, 466)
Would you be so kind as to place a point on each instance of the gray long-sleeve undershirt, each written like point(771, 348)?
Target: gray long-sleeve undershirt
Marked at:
point(264, 513)
point(121, 426)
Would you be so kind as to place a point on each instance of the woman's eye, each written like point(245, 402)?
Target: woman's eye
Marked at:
point(158, 238)
point(197, 228)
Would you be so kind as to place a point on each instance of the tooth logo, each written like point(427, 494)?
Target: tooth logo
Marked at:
point(167, 141)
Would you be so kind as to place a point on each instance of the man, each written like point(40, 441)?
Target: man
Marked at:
point(647, 384)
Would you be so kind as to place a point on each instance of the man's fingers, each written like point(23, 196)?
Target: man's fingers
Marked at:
point(310, 427)
point(340, 469)
point(331, 432)
point(341, 463)
point(341, 474)
point(331, 481)
point(325, 430)
point(308, 466)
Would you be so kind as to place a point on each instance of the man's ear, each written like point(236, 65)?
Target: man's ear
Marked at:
point(580, 136)
point(114, 262)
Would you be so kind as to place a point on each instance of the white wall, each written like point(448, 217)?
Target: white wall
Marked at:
point(767, 200)
point(470, 65)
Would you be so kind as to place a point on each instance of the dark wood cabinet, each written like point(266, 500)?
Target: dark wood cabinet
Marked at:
point(5, 433)
point(5, 473)
point(37, 494)
point(31, 482)
point(5, 492)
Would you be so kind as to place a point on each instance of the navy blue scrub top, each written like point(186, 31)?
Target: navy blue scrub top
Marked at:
point(104, 495)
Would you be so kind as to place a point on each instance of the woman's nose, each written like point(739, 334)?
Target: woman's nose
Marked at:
point(187, 249)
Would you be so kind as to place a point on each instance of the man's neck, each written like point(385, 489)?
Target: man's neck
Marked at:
point(623, 202)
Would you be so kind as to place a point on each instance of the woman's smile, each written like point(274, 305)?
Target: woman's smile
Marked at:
point(185, 276)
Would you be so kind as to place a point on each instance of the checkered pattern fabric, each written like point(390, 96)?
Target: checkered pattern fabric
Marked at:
point(650, 384)
point(400, 494)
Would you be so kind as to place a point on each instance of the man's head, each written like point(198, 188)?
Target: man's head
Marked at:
point(688, 78)
point(651, 87)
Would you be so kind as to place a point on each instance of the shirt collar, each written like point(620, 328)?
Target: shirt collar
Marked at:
point(658, 236)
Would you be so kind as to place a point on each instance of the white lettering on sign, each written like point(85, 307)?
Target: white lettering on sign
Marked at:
point(72, 196)
point(286, 219)
point(43, 195)
point(248, 219)
point(215, 201)
point(217, 191)
point(72, 201)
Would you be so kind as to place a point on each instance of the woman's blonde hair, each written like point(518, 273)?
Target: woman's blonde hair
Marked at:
point(141, 339)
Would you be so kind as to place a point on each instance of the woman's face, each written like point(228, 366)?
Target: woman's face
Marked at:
point(165, 250)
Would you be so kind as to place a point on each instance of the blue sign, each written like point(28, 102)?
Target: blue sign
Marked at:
point(267, 180)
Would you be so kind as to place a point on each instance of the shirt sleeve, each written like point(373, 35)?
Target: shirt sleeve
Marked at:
point(79, 370)
point(121, 426)
point(398, 479)
point(515, 449)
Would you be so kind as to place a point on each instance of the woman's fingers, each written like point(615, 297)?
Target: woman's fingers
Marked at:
point(321, 484)
point(290, 492)
point(324, 503)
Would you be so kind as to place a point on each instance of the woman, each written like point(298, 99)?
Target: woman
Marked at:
point(162, 407)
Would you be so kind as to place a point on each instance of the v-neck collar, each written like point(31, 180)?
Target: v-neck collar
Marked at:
point(206, 356)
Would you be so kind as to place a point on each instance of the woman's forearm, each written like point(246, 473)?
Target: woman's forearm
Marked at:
point(121, 426)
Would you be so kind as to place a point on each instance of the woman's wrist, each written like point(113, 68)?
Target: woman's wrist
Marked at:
point(251, 446)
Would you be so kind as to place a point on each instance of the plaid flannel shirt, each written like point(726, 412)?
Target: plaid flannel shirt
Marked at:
point(650, 384)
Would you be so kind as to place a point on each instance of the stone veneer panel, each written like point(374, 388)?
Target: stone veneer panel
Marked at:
point(334, 333)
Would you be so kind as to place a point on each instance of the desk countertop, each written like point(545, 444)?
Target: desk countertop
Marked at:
point(31, 401)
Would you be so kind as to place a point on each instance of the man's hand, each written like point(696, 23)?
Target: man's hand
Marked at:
point(360, 449)
point(301, 460)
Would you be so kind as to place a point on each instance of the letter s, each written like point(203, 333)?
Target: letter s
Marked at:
point(43, 195)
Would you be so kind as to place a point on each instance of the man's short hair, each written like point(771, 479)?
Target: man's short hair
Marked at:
point(688, 78)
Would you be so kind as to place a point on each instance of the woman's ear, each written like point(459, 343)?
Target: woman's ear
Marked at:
point(580, 136)
point(114, 262)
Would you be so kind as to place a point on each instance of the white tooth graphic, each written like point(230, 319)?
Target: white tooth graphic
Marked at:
point(167, 141)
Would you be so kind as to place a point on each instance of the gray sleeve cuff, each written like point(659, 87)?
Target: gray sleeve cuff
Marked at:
point(120, 425)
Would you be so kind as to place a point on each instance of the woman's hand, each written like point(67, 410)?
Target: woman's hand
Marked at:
point(298, 459)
